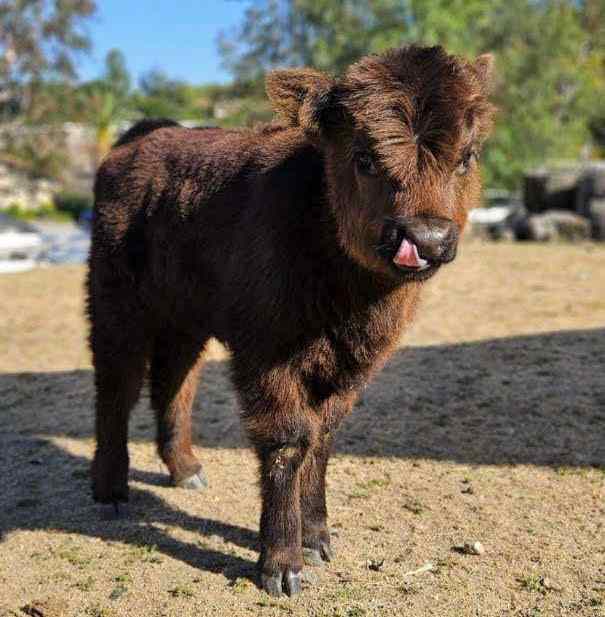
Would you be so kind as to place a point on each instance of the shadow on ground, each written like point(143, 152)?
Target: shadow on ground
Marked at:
point(526, 400)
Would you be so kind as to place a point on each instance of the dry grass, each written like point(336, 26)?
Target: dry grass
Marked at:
point(488, 426)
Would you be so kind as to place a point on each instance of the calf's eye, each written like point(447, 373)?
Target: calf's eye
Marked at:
point(466, 162)
point(365, 163)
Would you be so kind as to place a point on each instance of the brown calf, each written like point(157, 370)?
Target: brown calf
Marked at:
point(302, 246)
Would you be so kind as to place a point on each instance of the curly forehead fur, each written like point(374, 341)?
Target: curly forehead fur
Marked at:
point(419, 106)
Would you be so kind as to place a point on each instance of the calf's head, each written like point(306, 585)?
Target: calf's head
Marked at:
point(400, 134)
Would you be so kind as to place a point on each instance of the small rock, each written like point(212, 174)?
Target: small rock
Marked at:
point(470, 548)
point(375, 565)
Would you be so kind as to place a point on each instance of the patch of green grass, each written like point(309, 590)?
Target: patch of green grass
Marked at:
point(534, 583)
point(241, 584)
point(583, 472)
point(71, 554)
point(123, 579)
point(358, 494)
point(96, 610)
point(415, 507)
point(363, 489)
point(118, 591)
point(147, 553)
point(378, 483)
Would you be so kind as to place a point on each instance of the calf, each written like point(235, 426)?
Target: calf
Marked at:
point(301, 245)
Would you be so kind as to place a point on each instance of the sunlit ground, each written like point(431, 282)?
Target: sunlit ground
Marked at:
point(487, 425)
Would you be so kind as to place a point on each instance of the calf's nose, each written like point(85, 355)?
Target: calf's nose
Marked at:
point(436, 238)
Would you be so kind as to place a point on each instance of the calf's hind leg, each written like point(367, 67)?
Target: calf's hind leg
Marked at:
point(119, 373)
point(175, 368)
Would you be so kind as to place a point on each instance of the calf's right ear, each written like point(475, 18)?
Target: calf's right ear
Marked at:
point(484, 69)
point(305, 98)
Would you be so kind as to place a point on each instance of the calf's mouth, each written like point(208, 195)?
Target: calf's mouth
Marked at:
point(416, 247)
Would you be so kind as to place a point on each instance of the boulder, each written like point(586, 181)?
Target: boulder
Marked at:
point(551, 189)
point(596, 214)
point(554, 225)
point(494, 222)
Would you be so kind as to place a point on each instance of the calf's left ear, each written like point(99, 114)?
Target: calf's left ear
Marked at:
point(303, 97)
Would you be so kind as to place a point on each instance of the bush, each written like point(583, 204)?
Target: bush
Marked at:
point(73, 203)
point(45, 211)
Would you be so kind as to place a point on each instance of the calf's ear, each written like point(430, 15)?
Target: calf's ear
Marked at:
point(303, 97)
point(484, 68)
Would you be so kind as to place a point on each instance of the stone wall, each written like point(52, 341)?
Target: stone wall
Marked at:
point(79, 144)
point(18, 189)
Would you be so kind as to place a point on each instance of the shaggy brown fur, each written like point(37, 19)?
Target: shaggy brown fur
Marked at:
point(283, 243)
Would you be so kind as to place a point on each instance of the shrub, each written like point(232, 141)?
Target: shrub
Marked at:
point(73, 203)
point(45, 211)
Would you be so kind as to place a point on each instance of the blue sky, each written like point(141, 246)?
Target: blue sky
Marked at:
point(177, 36)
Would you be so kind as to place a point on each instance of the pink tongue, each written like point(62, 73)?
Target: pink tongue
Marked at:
point(407, 255)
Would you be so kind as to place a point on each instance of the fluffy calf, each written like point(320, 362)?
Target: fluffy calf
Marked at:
point(301, 245)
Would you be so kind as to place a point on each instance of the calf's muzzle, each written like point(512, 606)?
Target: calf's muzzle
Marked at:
point(419, 242)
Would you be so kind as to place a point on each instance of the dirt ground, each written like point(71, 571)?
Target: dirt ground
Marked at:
point(487, 425)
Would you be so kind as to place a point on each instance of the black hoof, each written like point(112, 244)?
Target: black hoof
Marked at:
point(197, 482)
point(275, 584)
point(318, 556)
point(293, 583)
point(326, 551)
point(113, 511)
point(272, 584)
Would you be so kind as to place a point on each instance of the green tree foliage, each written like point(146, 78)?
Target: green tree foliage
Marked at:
point(39, 41)
point(550, 59)
point(116, 74)
point(159, 96)
point(104, 102)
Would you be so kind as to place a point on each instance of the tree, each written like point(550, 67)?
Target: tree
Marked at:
point(104, 102)
point(327, 34)
point(161, 96)
point(116, 75)
point(39, 40)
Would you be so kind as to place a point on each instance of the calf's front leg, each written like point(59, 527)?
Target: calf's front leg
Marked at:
point(281, 559)
point(282, 430)
point(314, 513)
